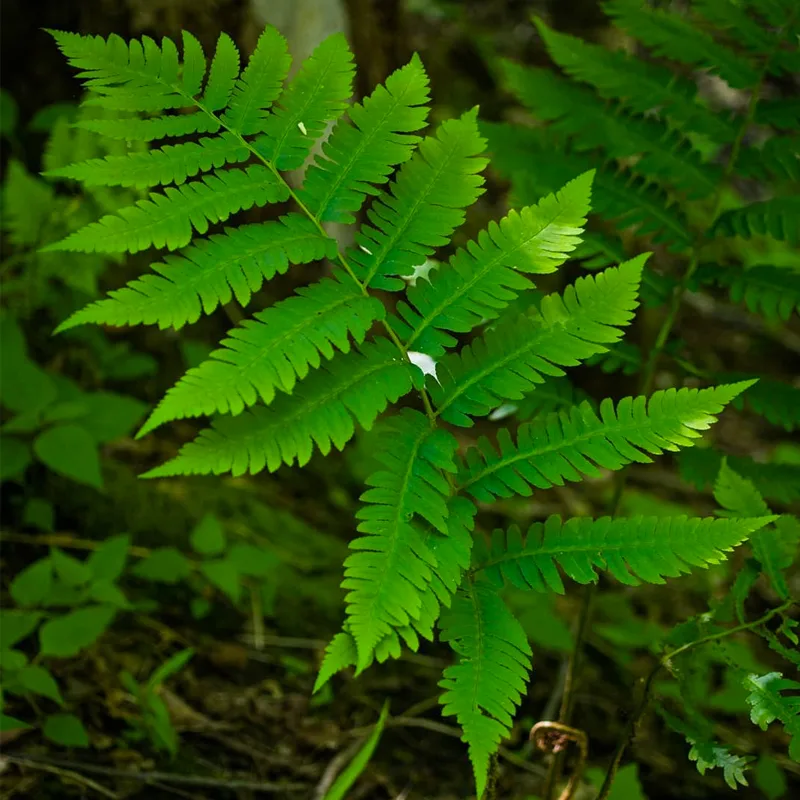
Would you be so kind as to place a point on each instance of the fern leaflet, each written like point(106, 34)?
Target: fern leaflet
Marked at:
point(767, 703)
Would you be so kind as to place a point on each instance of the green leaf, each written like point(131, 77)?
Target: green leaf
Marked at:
point(38, 513)
point(164, 565)
point(768, 703)
point(108, 561)
point(344, 782)
point(66, 636)
point(170, 667)
point(12, 660)
point(208, 537)
point(66, 730)
point(254, 561)
point(223, 574)
point(770, 778)
point(11, 724)
point(38, 680)
point(16, 625)
point(106, 592)
point(110, 416)
point(15, 456)
point(71, 451)
point(9, 113)
point(33, 585)
point(71, 571)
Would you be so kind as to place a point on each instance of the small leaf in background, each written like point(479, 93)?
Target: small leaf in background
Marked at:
point(164, 565)
point(38, 680)
point(68, 635)
point(16, 625)
point(15, 456)
point(71, 571)
point(24, 386)
point(9, 114)
point(159, 724)
point(38, 513)
point(770, 778)
point(208, 538)
point(200, 607)
point(108, 561)
point(224, 575)
point(170, 667)
point(111, 416)
point(44, 119)
point(350, 775)
point(64, 411)
point(66, 730)
point(103, 591)
point(72, 452)
point(11, 724)
point(12, 660)
point(253, 561)
point(33, 585)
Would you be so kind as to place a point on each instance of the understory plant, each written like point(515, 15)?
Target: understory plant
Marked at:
point(347, 349)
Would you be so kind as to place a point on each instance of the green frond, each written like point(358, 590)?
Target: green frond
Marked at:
point(639, 85)
point(565, 445)
point(167, 220)
point(671, 36)
point(783, 114)
point(481, 279)
point(169, 164)
point(257, 87)
point(486, 685)
point(315, 97)
point(773, 547)
point(223, 74)
point(147, 130)
point(422, 207)
point(539, 167)
point(272, 351)
point(778, 218)
point(776, 401)
point(779, 482)
point(766, 290)
point(769, 703)
point(392, 565)
point(632, 550)
point(322, 412)
point(339, 654)
point(579, 114)
point(509, 360)
point(778, 157)
point(364, 148)
point(209, 273)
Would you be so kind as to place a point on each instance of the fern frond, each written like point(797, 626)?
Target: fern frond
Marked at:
point(777, 402)
point(209, 273)
point(255, 89)
point(566, 444)
point(272, 351)
point(223, 75)
point(169, 164)
point(167, 220)
point(774, 551)
point(778, 157)
point(423, 207)
point(632, 550)
point(392, 565)
point(783, 114)
point(509, 360)
point(483, 689)
point(147, 130)
point(670, 36)
point(639, 85)
point(322, 412)
point(766, 290)
point(316, 97)
point(480, 280)
point(339, 654)
point(768, 703)
point(581, 115)
point(778, 218)
point(364, 148)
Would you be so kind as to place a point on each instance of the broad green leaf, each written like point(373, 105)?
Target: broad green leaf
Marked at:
point(12, 660)
point(15, 456)
point(71, 451)
point(103, 591)
point(253, 561)
point(71, 571)
point(770, 778)
point(38, 680)
point(66, 730)
point(110, 416)
point(32, 586)
point(16, 625)
point(11, 723)
point(224, 575)
point(39, 513)
point(108, 561)
point(164, 565)
point(208, 537)
point(67, 635)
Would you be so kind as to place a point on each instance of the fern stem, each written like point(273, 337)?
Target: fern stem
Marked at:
point(644, 699)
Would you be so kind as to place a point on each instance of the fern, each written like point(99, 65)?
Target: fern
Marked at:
point(484, 687)
point(632, 550)
point(767, 704)
point(777, 218)
point(568, 444)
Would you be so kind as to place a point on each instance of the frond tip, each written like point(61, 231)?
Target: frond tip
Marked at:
point(483, 689)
